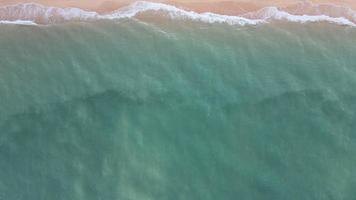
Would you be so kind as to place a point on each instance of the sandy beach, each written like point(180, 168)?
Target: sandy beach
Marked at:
point(232, 7)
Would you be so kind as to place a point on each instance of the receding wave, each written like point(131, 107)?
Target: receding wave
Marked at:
point(32, 13)
point(42, 14)
point(273, 13)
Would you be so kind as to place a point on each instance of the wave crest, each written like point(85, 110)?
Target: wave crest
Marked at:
point(301, 13)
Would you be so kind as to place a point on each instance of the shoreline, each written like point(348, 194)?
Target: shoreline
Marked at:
point(233, 13)
point(232, 7)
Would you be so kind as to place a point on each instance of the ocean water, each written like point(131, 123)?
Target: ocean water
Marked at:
point(159, 108)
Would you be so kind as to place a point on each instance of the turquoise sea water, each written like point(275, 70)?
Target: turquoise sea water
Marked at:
point(164, 109)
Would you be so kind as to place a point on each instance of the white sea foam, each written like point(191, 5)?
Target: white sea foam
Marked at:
point(273, 13)
point(308, 8)
point(47, 15)
point(19, 22)
point(43, 14)
point(176, 13)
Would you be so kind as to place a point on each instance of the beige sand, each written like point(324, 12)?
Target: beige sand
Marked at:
point(229, 7)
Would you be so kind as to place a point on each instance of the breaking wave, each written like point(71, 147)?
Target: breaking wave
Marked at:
point(32, 13)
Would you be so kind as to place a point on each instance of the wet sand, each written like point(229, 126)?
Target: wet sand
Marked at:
point(233, 7)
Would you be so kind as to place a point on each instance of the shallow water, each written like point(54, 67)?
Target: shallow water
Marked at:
point(170, 109)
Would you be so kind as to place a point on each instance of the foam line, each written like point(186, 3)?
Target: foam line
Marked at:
point(40, 14)
point(19, 22)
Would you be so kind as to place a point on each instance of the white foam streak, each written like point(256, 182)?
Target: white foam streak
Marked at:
point(176, 13)
point(273, 13)
point(42, 14)
point(36, 13)
point(19, 22)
